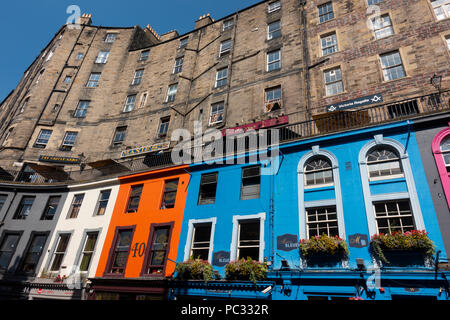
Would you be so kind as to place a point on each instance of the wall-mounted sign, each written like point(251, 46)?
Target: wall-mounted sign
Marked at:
point(358, 240)
point(256, 125)
point(221, 258)
point(58, 159)
point(358, 102)
point(287, 242)
point(147, 149)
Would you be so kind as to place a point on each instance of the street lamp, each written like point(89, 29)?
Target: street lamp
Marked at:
point(436, 82)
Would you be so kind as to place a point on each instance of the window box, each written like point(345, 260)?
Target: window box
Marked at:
point(402, 249)
point(195, 270)
point(247, 270)
point(323, 251)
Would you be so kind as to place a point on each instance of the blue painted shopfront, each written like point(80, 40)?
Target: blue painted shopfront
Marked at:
point(284, 210)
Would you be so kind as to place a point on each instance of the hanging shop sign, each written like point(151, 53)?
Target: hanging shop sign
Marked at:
point(287, 242)
point(221, 258)
point(58, 159)
point(358, 240)
point(146, 149)
point(256, 125)
point(358, 102)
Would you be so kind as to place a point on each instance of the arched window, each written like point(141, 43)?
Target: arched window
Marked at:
point(318, 172)
point(383, 162)
point(445, 149)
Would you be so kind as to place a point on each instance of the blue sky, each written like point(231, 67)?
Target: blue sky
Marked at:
point(27, 26)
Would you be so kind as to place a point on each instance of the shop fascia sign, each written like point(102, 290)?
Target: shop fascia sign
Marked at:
point(146, 149)
point(358, 102)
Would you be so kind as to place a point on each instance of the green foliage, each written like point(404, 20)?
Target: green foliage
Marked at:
point(323, 245)
point(195, 269)
point(414, 240)
point(246, 270)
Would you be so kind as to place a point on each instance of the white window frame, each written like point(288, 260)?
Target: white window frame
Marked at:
point(118, 142)
point(440, 5)
point(71, 144)
point(329, 44)
point(110, 37)
point(81, 251)
point(228, 24)
point(39, 137)
point(166, 122)
point(379, 26)
point(217, 111)
point(94, 78)
point(387, 68)
point(190, 237)
point(102, 57)
point(334, 82)
point(235, 235)
point(399, 216)
point(183, 42)
point(55, 252)
point(137, 79)
point(274, 6)
point(327, 4)
point(270, 34)
point(370, 198)
point(273, 62)
point(227, 44)
point(178, 65)
point(221, 77)
point(145, 54)
point(172, 92)
point(130, 103)
point(81, 110)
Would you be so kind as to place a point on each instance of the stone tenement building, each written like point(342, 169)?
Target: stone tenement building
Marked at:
point(96, 91)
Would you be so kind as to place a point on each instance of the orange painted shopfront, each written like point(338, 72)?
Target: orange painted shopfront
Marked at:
point(143, 235)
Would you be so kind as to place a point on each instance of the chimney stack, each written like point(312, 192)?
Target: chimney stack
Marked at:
point(203, 21)
point(85, 19)
point(169, 35)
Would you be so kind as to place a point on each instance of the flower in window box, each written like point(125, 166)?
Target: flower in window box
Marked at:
point(324, 246)
point(246, 270)
point(409, 242)
point(195, 269)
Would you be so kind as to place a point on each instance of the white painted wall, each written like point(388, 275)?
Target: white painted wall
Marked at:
point(85, 221)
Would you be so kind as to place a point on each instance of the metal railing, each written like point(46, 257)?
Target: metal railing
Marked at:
point(320, 124)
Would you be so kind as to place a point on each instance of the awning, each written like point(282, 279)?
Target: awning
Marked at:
point(340, 120)
point(50, 172)
point(108, 166)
